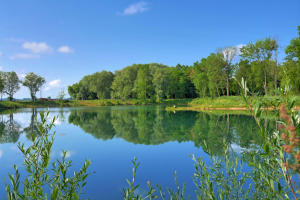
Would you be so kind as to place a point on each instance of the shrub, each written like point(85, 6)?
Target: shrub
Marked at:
point(40, 178)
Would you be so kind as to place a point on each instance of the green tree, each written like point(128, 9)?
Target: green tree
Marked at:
point(61, 95)
point(200, 78)
point(34, 83)
point(2, 83)
point(216, 78)
point(293, 49)
point(261, 53)
point(123, 84)
point(73, 90)
point(143, 84)
point(229, 53)
point(12, 84)
point(100, 84)
point(290, 71)
point(161, 82)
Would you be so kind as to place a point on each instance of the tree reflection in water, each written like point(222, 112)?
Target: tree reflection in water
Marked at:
point(10, 130)
point(150, 126)
point(153, 125)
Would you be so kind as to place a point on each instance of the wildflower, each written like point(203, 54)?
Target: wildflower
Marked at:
point(284, 136)
point(287, 148)
point(297, 156)
point(291, 128)
point(280, 126)
point(297, 140)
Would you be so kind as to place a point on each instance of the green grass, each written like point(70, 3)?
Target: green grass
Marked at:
point(78, 103)
point(28, 104)
point(229, 103)
point(234, 102)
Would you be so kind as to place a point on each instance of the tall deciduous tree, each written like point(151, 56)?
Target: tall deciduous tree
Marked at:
point(293, 49)
point(161, 82)
point(2, 83)
point(262, 52)
point(34, 83)
point(291, 68)
point(143, 83)
point(100, 84)
point(216, 78)
point(123, 84)
point(12, 84)
point(200, 78)
point(229, 53)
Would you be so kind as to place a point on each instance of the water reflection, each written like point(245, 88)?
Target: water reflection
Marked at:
point(10, 130)
point(33, 128)
point(149, 126)
point(143, 125)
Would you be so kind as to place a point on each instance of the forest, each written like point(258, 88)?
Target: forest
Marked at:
point(214, 76)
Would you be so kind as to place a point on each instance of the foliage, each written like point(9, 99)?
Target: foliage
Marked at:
point(34, 83)
point(11, 84)
point(123, 84)
point(200, 78)
point(143, 84)
point(156, 192)
point(40, 178)
point(2, 83)
point(221, 181)
point(276, 148)
point(290, 72)
point(293, 49)
point(61, 95)
point(229, 54)
point(260, 54)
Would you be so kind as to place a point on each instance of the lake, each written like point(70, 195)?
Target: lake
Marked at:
point(112, 136)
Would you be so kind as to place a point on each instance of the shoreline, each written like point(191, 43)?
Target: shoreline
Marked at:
point(231, 103)
point(195, 108)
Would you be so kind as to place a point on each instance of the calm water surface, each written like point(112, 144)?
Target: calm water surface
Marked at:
point(112, 136)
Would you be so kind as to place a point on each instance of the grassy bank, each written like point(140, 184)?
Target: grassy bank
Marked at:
point(230, 103)
point(78, 103)
point(221, 103)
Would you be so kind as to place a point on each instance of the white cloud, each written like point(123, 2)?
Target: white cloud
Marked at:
point(68, 154)
point(65, 49)
point(53, 84)
point(139, 7)
point(21, 75)
point(1, 68)
point(23, 56)
point(36, 47)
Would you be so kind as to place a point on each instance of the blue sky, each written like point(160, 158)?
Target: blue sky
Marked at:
point(63, 40)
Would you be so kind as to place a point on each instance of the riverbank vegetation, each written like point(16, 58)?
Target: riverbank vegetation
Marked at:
point(77, 103)
point(234, 103)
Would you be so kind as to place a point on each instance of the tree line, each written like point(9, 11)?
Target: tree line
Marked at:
point(212, 76)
